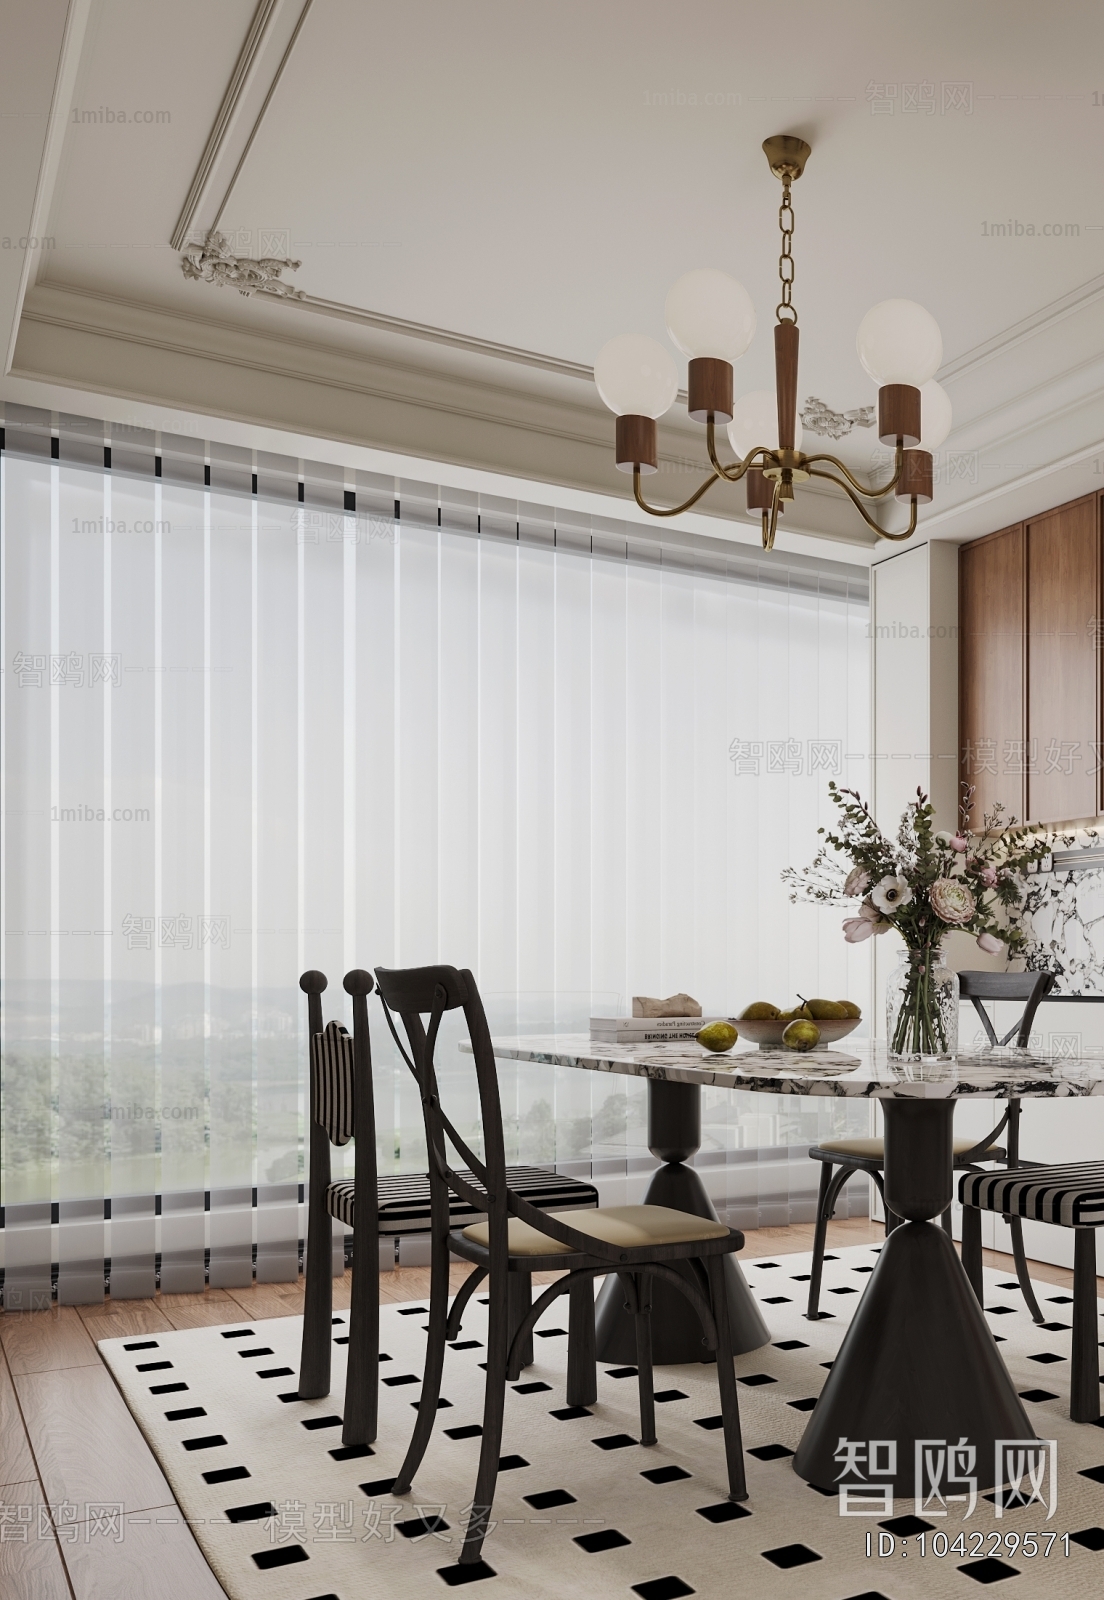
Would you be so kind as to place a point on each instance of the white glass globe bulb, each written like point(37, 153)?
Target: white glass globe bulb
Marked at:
point(899, 342)
point(755, 422)
point(935, 415)
point(710, 314)
point(636, 376)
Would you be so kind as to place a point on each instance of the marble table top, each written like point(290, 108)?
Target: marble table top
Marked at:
point(863, 1071)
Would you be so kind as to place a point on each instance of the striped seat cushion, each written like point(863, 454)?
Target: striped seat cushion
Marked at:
point(332, 1082)
point(1071, 1196)
point(404, 1198)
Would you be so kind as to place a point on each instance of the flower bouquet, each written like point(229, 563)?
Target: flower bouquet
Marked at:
point(923, 884)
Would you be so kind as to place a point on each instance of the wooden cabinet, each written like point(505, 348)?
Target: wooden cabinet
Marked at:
point(992, 636)
point(1030, 631)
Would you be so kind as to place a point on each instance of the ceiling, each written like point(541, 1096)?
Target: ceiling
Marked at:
point(480, 194)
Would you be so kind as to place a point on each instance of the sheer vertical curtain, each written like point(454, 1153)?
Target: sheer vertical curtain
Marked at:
point(252, 727)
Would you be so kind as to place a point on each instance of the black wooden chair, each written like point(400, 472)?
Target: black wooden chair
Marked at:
point(342, 1107)
point(396, 1206)
point(636, 1242)
point(843, 1157)
point(1069, 1197)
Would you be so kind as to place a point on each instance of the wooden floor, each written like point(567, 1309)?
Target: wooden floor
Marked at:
point(68, 1444)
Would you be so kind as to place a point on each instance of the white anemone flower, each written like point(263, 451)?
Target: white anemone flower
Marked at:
point(891, 894)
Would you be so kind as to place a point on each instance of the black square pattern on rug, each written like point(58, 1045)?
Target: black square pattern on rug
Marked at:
point(603, 1539)
point(225, 1474)
point(790, 1555)
point(791, 1344)
point(989, 1570)
point(463, 1344)
point(847, 1289)
point(283, 1556)
point(313, 1423)
point(152, 1366)
point(167, 1388)
point(550, 1333)
point(276, 1372)
point(776, 1300)
point(413, 1311)
point(457, 1575)
point(417, 1527)
point(905, 1527)
point(862, 1269)
point(1008, 1286)
point(764, 1266)
point(868, 1594)
point(207, 1441)
point(254, 1513)
point(442, 1404)
point(400, 1378)
point(1056, 1327)
point(511, 1463)
point(723, 1511)
point(183, 1416)
point(770, 1452)
point(143, 1344)
point(671, 1588)
point(254, 1351)
point(570, 1413)
point(239, 1333)
point(352, 1452)
point(665, 1474)
point(1004, 1311)
point(1046, 1357)
point(345, 1340)
point(754, 1379)
point(1096, 1474)
point(470, 1430)
point(621, 1372)
point(614, 1441)
point(800, 1277)
point(532, 1388)
point(1037, 1394)
point(377, 1486)
point(1089, 1538)
point(549, 1499)
point(664, 1396)
point(709, 1422)
point(803, 1405)
point(1060, 1300)
point(291, 1394)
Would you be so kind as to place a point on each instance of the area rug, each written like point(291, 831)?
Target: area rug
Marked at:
point(282, 1512)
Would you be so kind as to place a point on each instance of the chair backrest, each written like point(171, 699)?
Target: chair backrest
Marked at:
point(332, 1077)
point(1031, 987)
point(415, 992)
point(338, 1063)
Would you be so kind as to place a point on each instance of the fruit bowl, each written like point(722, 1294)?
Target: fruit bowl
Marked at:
point(767, 1032)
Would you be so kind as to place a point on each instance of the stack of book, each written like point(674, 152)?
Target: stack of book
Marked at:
point(647, 1030)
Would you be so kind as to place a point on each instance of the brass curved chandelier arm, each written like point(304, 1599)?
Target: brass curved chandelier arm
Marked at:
point(734, 473)
point(770, 525)
point(670, 511)
point(869, 494)
point(861, 509)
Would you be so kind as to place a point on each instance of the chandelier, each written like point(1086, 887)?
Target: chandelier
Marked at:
point(711, 319)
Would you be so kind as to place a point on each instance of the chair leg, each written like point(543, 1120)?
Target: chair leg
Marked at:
point(582, 1369)
point(434, 1365)
point(1015, 1228)
point(726, 1380)
point(314, 1361)
point(642, 1309)
point(498, 1327)
point(971, 1250)
point(1085, 1362)
point(831, 1182)
point(521, 1303)
point(362, 1373)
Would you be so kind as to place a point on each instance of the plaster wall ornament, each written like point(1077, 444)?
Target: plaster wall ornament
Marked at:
point(819, 418)
point(676, 1005)
point(213, 262)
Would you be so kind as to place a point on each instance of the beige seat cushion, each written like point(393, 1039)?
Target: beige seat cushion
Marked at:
point(874, 1149)
point(628, 1227)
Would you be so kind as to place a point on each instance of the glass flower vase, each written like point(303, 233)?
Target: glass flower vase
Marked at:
point(922, 1007)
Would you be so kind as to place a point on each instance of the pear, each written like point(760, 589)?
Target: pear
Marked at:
point(850, 1009)
point(799, 1013)
point(759, 1011)
point(717, 1036)
point(826, 1010)
point(801, 1035)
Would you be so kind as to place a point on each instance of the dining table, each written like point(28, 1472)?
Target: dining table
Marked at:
point(918, 1360)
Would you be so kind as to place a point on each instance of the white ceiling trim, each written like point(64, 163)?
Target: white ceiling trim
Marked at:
point(1048, 316)
point(260, 33)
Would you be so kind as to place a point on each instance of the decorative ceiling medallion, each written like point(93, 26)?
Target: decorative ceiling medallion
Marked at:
point(819, 418)
point(213, 262)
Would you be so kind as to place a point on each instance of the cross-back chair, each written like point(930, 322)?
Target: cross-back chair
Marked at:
point(841, 1158)
point(636, 1242)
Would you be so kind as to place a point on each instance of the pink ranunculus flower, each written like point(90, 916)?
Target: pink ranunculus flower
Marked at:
point(856, 929)
point(952, 901)
point(858, 882)
point(988, 877)
point(990, 944)
point(957, 842)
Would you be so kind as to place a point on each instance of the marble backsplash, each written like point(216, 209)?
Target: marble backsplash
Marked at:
point(1064, 915)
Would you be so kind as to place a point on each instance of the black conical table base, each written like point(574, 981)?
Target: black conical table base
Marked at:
point(674, 1133)
point(918, 1361)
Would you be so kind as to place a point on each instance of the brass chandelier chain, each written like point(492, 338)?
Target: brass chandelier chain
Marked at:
point(786, 260)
